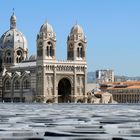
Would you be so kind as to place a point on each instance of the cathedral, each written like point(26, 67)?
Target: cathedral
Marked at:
point(41, 77)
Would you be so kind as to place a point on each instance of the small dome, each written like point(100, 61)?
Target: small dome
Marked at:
point(76, 29)
point(46, 28)
point(32, 57)
point(14, 39)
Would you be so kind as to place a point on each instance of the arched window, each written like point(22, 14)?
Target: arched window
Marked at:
point(81, 51)
point(16, 84)
point(26, 84)
point(19, 56)
point(49, 49)
point(17, 59)
point(10, 60)
point(78, 52)
point(8, 57)
point(7, 85)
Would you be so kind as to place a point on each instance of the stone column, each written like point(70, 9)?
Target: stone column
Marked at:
point(126, 98)
point(131, 99)
point(54, 82)
point(14, 57)
point(85, 84)
point(43, 84)
point(12, 90)
point(75, 51)
point(1, 87)
point(121, 98)
point(75, 86)
point(21, 90)
point(54, 53)
point(33, 84)
point(49, 51)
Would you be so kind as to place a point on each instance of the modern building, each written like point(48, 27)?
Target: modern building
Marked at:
point(104, 76)
point(42, 77)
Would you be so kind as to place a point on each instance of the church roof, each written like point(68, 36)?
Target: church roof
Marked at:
point(24, 65)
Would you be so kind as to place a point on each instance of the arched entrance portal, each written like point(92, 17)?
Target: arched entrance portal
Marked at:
point(64, 91)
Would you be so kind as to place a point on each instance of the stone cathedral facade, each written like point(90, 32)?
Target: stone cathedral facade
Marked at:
point(41, 77)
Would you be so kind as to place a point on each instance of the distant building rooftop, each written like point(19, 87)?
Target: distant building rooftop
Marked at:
point(121, 85)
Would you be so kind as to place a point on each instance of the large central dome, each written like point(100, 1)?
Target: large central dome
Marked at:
point(13, 38)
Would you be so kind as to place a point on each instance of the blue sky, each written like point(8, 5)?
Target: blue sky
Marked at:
point(112, 28)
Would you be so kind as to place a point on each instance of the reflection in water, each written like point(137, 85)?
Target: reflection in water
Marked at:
point(69, 121)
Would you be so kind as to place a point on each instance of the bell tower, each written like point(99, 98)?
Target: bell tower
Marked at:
point(46, 43)
point(46, 47)
point(76, 44)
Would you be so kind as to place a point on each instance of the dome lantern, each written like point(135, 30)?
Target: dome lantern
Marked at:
point(13, 21)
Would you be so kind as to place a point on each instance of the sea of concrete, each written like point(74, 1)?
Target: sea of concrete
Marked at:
point(69, 121)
